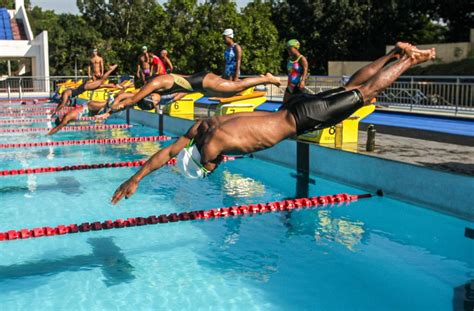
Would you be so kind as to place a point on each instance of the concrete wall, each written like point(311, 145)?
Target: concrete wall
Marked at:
point(344, 68)
point(445, 53)
point(441, 191)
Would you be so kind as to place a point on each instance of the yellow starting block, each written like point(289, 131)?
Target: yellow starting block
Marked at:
point(350, 129)
point(241, 103)
point(183, 108)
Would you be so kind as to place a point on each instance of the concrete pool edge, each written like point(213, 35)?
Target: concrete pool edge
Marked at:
point(442, 191)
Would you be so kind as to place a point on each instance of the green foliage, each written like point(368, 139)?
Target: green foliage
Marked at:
point(191, 30)
point(71, 39)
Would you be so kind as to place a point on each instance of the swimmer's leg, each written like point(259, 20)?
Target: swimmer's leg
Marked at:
point(365, 73)
point(385, 77)
point(96, 84)
point(217, 84)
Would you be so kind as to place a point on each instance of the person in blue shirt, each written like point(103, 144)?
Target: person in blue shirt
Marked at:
point(232, 55)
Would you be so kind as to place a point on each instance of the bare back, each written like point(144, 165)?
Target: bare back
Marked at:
point(243, 133)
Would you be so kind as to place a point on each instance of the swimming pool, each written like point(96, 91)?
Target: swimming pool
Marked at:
point(374, 254)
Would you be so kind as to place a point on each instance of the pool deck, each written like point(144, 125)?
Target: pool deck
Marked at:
point(453, 158)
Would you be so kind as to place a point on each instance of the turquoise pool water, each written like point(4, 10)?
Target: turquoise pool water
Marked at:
point(375, 254)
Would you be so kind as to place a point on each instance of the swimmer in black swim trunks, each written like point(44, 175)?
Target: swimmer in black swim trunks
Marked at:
point(200, 150)
point(207, 83)
point(69, 94)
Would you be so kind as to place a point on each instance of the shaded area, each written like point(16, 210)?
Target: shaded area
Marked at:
point(463, 297)
point(105, 254)
point(64, 184)
point(453, 167)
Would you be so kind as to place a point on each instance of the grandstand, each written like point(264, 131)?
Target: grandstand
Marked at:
point(17, 44)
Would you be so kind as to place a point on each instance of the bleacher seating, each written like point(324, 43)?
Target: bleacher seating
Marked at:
point(5, 25)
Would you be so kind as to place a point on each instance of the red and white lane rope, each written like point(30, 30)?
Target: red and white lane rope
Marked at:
point(67, 128)
point(39, 120)
point(80, 167)
point(286, 205)
point(105, 141)
point(27, 109)
point(32, 114)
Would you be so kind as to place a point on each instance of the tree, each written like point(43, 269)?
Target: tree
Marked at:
point(70, 39)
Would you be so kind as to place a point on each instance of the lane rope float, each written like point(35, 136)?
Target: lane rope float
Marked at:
point(67, 128)
point(242, 210)
point(32, 109)
point(28, 114)
point(38, 120)
point(105, 141)
point(79, 167)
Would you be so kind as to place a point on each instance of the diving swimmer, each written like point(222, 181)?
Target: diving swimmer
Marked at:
point(68, 94)
point(207, 83)
point(200, 150)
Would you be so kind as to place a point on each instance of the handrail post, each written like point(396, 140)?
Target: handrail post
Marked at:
point(412, 82)
point(9, 92)
point(20, 91)
point(458, 84)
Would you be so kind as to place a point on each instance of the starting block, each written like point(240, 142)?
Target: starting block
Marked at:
point(350, 129)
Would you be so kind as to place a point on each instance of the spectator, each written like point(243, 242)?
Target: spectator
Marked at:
point(166, 61)
point(297, 70)
point(232, 55)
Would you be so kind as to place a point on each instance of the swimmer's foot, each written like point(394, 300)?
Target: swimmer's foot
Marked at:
point(272, 79)
point(401, 48)
point(421, 56)
point(113, 67)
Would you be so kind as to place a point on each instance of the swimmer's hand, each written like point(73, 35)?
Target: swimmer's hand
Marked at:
point(127, 189)
point(103, 116)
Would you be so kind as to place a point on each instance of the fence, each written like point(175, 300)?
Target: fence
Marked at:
point(444, 93)
point(20, 87)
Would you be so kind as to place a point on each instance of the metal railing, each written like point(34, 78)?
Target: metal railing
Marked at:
point(454, 94)
point(20, 87)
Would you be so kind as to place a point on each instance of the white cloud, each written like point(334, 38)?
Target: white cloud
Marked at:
point(69, 6)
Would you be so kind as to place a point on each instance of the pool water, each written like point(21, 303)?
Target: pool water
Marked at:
point(374, 254)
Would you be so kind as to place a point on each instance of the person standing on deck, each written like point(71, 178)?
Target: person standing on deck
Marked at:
point(297, 70)
point(157, 66)
point(232, 55)
point(143, 68)
point(95, 70)
point(166, 61)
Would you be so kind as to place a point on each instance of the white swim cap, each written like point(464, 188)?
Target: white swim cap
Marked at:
point(228, 33)
point(189, 163)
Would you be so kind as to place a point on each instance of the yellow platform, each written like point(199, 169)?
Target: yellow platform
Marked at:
point(350, 129)
point(183, 108)
point(240, 103)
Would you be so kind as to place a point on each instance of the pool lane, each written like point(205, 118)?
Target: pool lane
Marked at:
point(453, 126)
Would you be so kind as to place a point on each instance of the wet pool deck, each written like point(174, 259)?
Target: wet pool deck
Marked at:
point(454, 158)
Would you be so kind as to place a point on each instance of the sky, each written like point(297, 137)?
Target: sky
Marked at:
point(69, 6)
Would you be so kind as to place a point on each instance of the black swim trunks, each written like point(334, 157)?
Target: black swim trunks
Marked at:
point(78, 90)
point(326, 109)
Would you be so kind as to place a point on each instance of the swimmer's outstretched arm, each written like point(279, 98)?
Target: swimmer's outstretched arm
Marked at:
point(128, 188)
point(70, 116)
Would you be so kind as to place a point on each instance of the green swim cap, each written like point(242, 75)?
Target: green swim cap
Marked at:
point(293, 43)
point(144, 48)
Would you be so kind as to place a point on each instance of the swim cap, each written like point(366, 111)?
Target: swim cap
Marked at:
point(228, 33)
point(189, 163)
point(144, 48)
point(146, 105)
point(293, 43)
point(94, 51)
point(57, 121)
